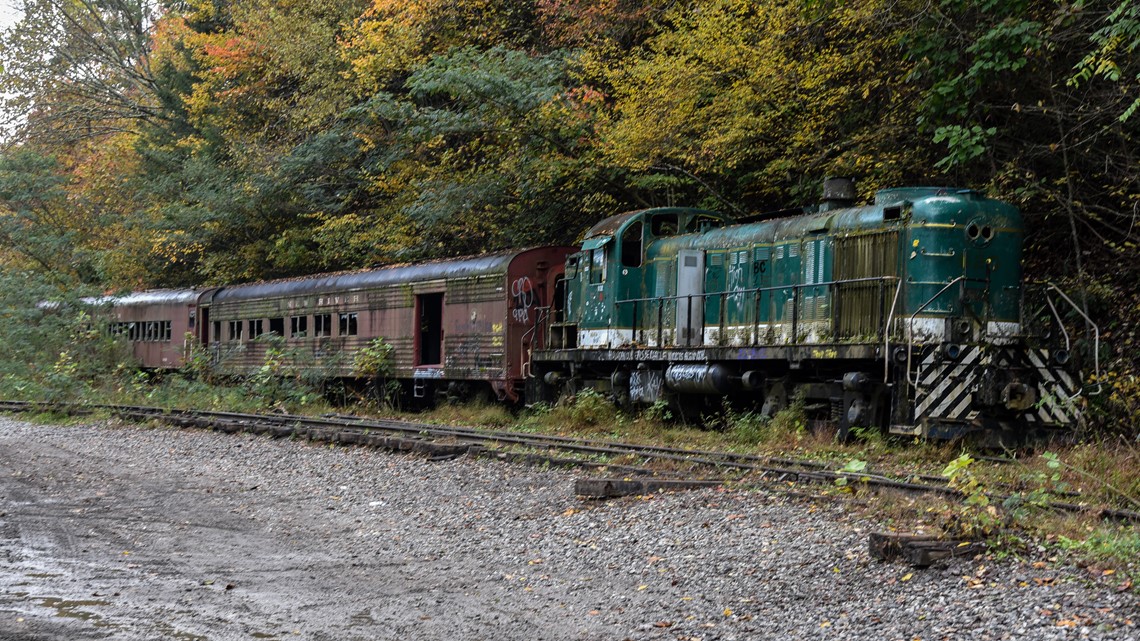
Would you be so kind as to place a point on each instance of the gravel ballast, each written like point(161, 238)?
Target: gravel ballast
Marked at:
point(112, 532)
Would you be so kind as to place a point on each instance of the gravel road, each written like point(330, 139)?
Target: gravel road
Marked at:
point(111, 532)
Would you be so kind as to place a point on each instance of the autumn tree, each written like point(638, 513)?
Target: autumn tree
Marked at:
point(80, 68)
point(742, 106)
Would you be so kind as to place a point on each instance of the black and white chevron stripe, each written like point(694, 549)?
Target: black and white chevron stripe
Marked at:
point(945, 387)
point(945, 390)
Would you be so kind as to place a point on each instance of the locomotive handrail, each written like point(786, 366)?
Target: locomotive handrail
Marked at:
point(542, 314)
point(757, 291)
point(1089, 322)
point(887, 333)
point(910, 326)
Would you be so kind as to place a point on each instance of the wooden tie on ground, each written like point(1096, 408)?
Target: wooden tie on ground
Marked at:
point(920, 550)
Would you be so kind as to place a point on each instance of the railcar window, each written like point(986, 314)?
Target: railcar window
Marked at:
point(167, 330)
point(597, 266)
point(664, 225)
point(631, 246)
point(217, 334)
point(277, 326)
point(322, 325)
point(235, 330)
point(298, 326)
point(256, 328)
point(348, 324)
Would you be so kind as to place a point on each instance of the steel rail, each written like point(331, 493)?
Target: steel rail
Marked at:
point(353, 430)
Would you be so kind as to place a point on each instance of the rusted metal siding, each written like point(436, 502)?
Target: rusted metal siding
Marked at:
point(158, 307)
point(861, 307)
point(486, 310)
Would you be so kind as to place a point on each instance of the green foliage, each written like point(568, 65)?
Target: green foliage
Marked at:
point(853, 466)
point(786, 429)
point(658, 412)
point(1114, 55)
point(376, 363)
point(976, 517)
point(54, 349)
point(374, 359)
point(1119, 544)
point(591, 409)
point(288, 376)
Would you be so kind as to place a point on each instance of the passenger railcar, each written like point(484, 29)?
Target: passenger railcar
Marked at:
point(906, 313)
point(159, 325)
point(469, 322)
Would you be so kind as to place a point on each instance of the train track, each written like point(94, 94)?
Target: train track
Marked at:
point(641, 466)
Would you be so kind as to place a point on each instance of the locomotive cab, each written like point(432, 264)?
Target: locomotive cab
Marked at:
point(608, 277)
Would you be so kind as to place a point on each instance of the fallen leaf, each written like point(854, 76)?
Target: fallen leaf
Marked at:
point(907, 577)
point(642, 587)
point(728, 612)
point(663, 624)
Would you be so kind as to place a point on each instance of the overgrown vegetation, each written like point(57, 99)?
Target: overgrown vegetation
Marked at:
point(215, 141)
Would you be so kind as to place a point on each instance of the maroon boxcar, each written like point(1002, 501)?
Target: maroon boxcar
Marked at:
point(158, 324)
point(450, 323)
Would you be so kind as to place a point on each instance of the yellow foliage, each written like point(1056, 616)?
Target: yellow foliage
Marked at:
point(737, 84)
point(395, 36)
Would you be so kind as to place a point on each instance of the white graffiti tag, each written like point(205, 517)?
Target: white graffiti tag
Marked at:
point(522, 299)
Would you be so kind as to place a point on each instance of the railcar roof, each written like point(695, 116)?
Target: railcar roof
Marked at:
point(149, 297)
point(609, 226)
point(348, 281)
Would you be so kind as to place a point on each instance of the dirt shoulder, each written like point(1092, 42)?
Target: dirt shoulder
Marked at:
point(132, 533)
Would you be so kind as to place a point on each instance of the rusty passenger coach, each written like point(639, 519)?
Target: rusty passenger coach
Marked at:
point(159, 325)
point(462, 325)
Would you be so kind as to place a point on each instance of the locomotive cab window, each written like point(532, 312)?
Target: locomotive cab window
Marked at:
point(702, 223)
point(631, 246)
point(664, 225)
point(597, 266)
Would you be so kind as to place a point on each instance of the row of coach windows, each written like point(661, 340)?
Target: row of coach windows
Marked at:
point(298, 327)
point(146, 331)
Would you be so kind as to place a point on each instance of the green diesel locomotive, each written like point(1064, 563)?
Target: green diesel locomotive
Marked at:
point(911, 314)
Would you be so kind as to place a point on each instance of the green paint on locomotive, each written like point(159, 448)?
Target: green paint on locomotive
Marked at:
point(678, 277)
